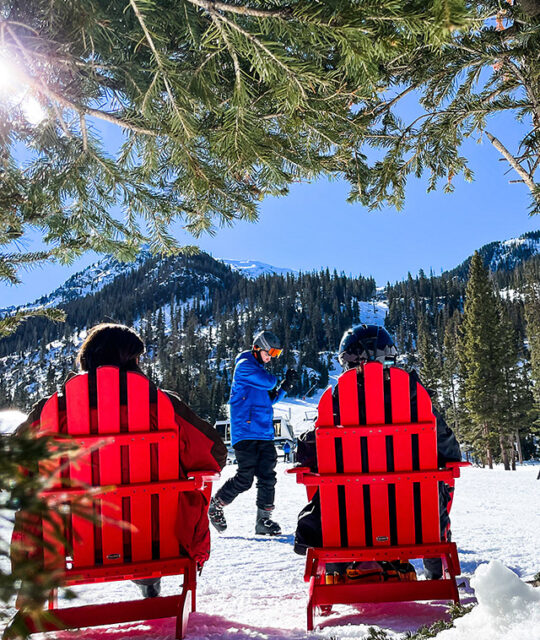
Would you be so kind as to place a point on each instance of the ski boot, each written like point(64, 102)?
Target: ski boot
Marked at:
point(149, 587)
point(216, 515)
point(264, 525)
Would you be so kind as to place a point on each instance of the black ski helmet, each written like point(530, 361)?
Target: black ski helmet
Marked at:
point(366, 342)
point(267, 341)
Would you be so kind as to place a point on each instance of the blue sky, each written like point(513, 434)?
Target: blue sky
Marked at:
point(314, 227)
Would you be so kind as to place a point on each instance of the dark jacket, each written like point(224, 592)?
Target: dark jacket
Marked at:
point(251, 400)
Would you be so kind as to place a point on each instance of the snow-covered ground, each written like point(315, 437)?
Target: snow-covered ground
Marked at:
point(252, 587)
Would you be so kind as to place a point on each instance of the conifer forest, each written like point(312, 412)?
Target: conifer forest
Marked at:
point(472, 334)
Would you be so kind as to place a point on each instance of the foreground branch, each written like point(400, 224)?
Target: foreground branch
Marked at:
point(527, 179)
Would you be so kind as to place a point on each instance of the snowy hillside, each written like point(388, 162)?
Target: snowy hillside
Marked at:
point(90, 280)
point(503, 255)
point(254, 269)
point(252, 587)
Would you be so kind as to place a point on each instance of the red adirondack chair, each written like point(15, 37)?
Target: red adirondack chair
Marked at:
point(378, 483)
point(130, 429)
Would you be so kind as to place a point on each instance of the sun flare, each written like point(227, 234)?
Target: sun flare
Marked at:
point(15, 93)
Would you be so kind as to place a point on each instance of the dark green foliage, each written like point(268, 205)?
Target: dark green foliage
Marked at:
point(20, 492)
point(532, 315)
point(463, 88)
point(481, 358)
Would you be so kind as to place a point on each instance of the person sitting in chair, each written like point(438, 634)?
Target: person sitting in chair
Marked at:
point(109, 344)
point(360, 344)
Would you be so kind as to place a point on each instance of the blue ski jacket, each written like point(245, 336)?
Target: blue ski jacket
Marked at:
point(251, 400)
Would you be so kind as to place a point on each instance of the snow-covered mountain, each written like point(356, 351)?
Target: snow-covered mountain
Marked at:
point(107, 269)
point(85, 282)
point(254, 269)
point(503, 255)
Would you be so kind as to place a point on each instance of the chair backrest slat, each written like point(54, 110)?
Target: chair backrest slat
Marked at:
point(110, 464)
point(81, 529)
point(378, 495)
point(168, 469)
point(325, 416)
point(401, 414)
point(138, 405)
point(50, 424)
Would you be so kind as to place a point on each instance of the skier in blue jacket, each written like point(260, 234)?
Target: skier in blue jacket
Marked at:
point(253, 392)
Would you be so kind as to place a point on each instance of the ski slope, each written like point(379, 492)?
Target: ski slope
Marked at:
point(252, 587)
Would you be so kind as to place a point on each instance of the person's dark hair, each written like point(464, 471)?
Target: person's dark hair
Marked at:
point(110, 344)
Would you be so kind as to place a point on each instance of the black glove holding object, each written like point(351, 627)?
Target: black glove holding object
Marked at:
point(291, 377)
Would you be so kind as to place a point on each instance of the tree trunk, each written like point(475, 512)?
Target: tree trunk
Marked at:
point(504, 452)
point(518, 445)
point(489, 454)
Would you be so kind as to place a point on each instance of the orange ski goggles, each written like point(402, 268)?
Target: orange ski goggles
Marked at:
point(272, 352)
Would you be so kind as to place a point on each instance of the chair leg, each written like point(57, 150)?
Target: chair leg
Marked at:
point(310, 606)
point(183, 613)
point(310, 615)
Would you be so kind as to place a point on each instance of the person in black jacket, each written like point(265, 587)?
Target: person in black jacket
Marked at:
point(360, 344)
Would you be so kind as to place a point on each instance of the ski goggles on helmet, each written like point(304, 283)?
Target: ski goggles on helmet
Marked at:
point(272, 351)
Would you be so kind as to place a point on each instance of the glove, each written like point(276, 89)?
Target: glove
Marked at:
point(291, 378)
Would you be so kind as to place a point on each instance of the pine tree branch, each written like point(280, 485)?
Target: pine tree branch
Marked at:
point(386, 106)
point(211, 5)
point(160, 65)
point(527, 179)
point(83, 109)
point(84, 132)
point(264, 48)
point(27, 57)
point(230, 48)
point(526, 85)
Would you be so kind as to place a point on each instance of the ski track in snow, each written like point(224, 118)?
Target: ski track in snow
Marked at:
point(252, 587)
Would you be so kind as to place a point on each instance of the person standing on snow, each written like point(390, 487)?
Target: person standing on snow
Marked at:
point(254, 390)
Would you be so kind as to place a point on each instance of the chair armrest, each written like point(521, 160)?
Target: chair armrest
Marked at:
point(455, 466)
point(296, 470)
point(301, 473)
point(202, 478)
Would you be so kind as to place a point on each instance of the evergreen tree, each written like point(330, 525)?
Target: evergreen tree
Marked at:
point(450, 382)
point(532, 315)
point(481, 357)
point(430, 366)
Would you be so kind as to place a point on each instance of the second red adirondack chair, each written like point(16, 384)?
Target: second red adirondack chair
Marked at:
point(378, 483)
point(133, 441)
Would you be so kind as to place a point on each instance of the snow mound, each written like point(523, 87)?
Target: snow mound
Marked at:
point(10, 420)
point(508, 608)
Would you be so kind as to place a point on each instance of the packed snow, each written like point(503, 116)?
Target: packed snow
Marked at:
point(252, 587)
point(10, 419)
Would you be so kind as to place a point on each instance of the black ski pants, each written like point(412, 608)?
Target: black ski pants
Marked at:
point(256, 458)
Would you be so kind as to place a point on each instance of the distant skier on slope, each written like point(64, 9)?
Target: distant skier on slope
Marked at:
point(254, 390)
point(361, 344)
